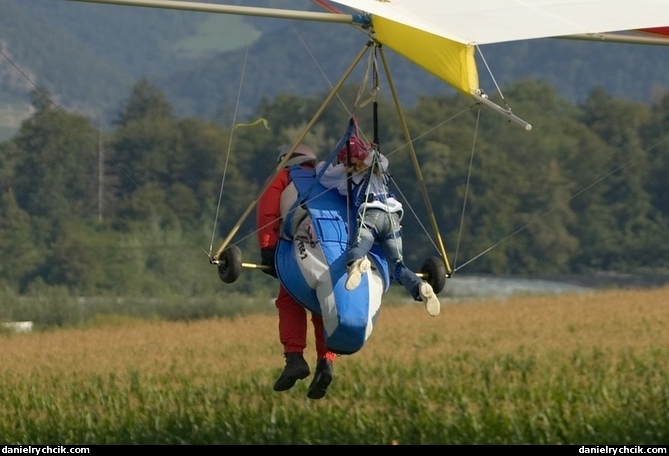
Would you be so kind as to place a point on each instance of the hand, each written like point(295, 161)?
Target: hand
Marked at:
point(267, 255)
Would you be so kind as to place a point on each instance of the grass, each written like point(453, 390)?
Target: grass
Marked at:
point(587, 368)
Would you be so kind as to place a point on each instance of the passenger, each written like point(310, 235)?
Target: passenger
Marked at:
point(379, 216)
point(272, 206)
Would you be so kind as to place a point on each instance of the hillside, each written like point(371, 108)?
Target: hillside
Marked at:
point(88, 55)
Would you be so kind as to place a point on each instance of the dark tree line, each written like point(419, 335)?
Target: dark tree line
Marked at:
point(584, 191)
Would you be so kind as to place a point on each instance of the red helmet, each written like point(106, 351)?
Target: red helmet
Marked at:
point(357, 148)
point(302, 155)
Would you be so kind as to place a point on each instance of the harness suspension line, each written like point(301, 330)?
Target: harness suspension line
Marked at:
point(371, 67)
point(376, 145)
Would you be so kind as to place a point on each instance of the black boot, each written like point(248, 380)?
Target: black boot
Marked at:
point(322, 379)
point(296, 369)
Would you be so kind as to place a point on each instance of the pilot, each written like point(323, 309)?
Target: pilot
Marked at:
point(280, 194)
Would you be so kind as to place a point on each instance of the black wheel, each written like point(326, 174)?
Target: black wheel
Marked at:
point(434, 273)
point(230, 264)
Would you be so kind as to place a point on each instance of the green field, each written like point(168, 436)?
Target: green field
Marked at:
point(582, 368)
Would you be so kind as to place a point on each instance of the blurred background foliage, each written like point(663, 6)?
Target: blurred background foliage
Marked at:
point(134, 210)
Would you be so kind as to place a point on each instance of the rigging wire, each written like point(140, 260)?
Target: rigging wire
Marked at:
point(37, 88)
point(319, 67)
point(227, 155)
point(371, 68)
point(65, 114)
point(406, 201)
point(561, 203)
point(492, 76)
point(466, 195)
point(94, 141)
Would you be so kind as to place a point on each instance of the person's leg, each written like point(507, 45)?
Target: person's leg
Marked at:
point(292, 322)
point(429, 297)
point(357, 262)
point(293, 336)
point(390, 236)
point(392, 249)
point(322, 351)
point(324, 363)
point(417, 288)
point(365, 236)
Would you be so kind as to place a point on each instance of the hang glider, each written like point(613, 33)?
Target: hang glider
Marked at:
point(441, 36)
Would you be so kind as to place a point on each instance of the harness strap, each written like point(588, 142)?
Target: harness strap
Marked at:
point(295, 172)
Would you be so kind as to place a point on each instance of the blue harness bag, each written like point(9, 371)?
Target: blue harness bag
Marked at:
point(346, 314)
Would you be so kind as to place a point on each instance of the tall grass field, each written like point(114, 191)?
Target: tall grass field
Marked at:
point(577, 368)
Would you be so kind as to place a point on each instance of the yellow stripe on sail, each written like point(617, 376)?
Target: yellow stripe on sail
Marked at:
point(450, 61)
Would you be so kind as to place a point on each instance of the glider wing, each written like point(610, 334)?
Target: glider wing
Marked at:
point(440, 35)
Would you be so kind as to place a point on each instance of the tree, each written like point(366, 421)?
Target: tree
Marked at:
point(56, 171)
point(9, 157)
point(655, 134)
point(627, 204)
point(17, 245)
point(145, 101)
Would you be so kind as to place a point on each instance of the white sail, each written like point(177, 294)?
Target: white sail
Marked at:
point(495, 21)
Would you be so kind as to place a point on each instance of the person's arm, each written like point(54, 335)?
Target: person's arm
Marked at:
point(381, 160)
point(333, 177)
point(383, 163)
point(268, 215)
point(268, 221)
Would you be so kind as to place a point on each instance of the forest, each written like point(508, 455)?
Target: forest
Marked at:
point(136, 209)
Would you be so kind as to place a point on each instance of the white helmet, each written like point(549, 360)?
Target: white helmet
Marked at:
point(302, 155)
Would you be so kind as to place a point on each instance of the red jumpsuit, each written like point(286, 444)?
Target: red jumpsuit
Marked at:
point(292, 314)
